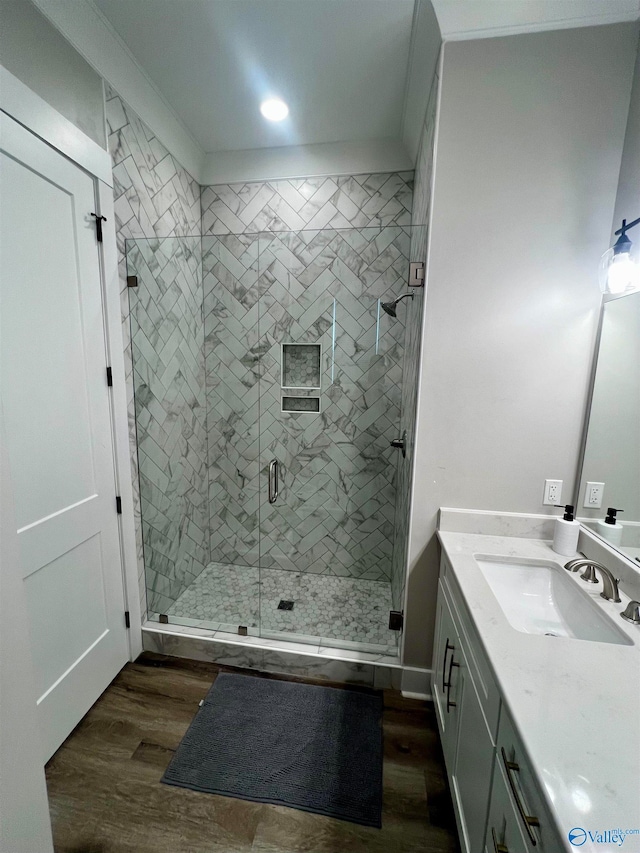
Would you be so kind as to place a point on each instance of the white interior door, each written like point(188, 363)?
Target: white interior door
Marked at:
point(58, 428)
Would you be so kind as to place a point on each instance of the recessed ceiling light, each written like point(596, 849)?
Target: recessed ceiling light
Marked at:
point(274, 109)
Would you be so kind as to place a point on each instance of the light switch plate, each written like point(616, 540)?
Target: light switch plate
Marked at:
point(593, 495)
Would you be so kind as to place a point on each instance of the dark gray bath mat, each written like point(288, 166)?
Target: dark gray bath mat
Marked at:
point(318, 749)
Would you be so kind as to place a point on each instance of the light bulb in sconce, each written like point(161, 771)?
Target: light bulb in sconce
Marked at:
point(619, 272)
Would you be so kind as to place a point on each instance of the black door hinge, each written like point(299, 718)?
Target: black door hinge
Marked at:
point(118, 504)
point(109, 377)
point(396, 620)
point(127, 620)
point(99, 221)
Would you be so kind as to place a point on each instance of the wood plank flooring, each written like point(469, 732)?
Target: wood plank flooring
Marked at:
point(106, 797)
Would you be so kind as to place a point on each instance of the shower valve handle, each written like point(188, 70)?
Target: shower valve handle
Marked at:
point(401, 443)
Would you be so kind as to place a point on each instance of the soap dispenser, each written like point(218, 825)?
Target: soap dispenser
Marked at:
point(611, 529)
point(565, 536)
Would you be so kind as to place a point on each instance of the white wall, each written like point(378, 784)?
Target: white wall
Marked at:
point(423, 58)
point(305, 161)
point(528, 156)
point(35, 52)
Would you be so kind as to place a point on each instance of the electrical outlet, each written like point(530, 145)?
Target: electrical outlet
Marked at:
point(552, 492)
point(593, 494)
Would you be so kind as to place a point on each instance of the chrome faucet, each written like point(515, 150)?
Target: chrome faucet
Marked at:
point(609, 583)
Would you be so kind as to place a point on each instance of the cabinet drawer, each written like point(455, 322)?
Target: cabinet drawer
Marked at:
point(479, 668)
point(534, 818)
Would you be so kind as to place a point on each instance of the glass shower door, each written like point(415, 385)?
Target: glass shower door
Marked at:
point(330, 395)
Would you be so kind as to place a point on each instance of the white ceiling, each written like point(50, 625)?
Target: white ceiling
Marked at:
point(196, 70)
point(340, 65)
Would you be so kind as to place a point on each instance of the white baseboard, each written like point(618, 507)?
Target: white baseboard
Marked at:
point(416, 683)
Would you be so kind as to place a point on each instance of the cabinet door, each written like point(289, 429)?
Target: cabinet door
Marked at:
point(471, 777)
point(503, 832)
point(445, 678)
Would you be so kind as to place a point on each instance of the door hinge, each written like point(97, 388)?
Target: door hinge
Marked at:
point(109, 377)
point(127, 620)
point(132, 281)
point(396, 620)
point(99, 220)
point(118, 504)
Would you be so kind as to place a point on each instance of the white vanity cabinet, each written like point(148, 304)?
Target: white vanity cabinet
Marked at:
point(466, 741)
point(497, 803)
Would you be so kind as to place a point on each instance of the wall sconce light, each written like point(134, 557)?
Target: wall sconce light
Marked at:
point(619, 272)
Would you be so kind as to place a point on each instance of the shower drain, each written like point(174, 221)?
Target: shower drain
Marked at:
point(285, 605)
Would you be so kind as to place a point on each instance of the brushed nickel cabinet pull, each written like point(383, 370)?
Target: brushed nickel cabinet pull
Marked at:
point(498, 848)
point(450, 704)
point(528, 820)
point(444, 664)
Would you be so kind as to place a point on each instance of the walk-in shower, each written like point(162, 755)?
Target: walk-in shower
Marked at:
point(268, 389)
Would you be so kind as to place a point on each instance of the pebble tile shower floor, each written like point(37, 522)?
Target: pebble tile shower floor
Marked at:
point(351, 610)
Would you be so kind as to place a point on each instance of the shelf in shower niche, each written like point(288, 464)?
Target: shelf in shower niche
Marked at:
point(310, 405)
point(301, 365)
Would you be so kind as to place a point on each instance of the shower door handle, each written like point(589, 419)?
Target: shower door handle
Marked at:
point(273, 481)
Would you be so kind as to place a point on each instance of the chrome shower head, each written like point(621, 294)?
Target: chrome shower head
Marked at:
point(390, 307)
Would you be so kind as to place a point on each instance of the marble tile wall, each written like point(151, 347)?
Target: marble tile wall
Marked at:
point(154, 197)
point(412, 343)
point(270, 656)
point(167, 339)
point(352, 201)
point(337, 472)
point(336, 507)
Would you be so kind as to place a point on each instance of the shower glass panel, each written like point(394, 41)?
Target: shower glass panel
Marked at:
point(268, 386)
point(167, 343)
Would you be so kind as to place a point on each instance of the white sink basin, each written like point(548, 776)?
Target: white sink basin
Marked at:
point(540, 598)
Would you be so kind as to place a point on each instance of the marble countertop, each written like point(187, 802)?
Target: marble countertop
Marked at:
point(575, 703)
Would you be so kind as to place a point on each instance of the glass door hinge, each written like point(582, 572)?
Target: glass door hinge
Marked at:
point(109, 377)
point(127, 620)
point(416, 274)
point(118, 504)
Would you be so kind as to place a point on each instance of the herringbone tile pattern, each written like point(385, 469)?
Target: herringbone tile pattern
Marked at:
point(232, 360)
point(168, 354)
point(335, 512)
point(154, 197)
point(352, 201)
point(336, 507)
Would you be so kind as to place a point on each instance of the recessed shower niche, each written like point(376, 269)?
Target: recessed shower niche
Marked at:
point(301, 366)
point(268, 387)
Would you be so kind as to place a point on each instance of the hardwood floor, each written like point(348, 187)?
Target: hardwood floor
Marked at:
point(106, 797)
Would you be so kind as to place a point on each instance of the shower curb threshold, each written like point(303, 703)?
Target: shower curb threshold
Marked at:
point(269, 655)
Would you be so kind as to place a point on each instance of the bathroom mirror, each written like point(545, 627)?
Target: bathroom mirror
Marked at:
point(612, 441)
